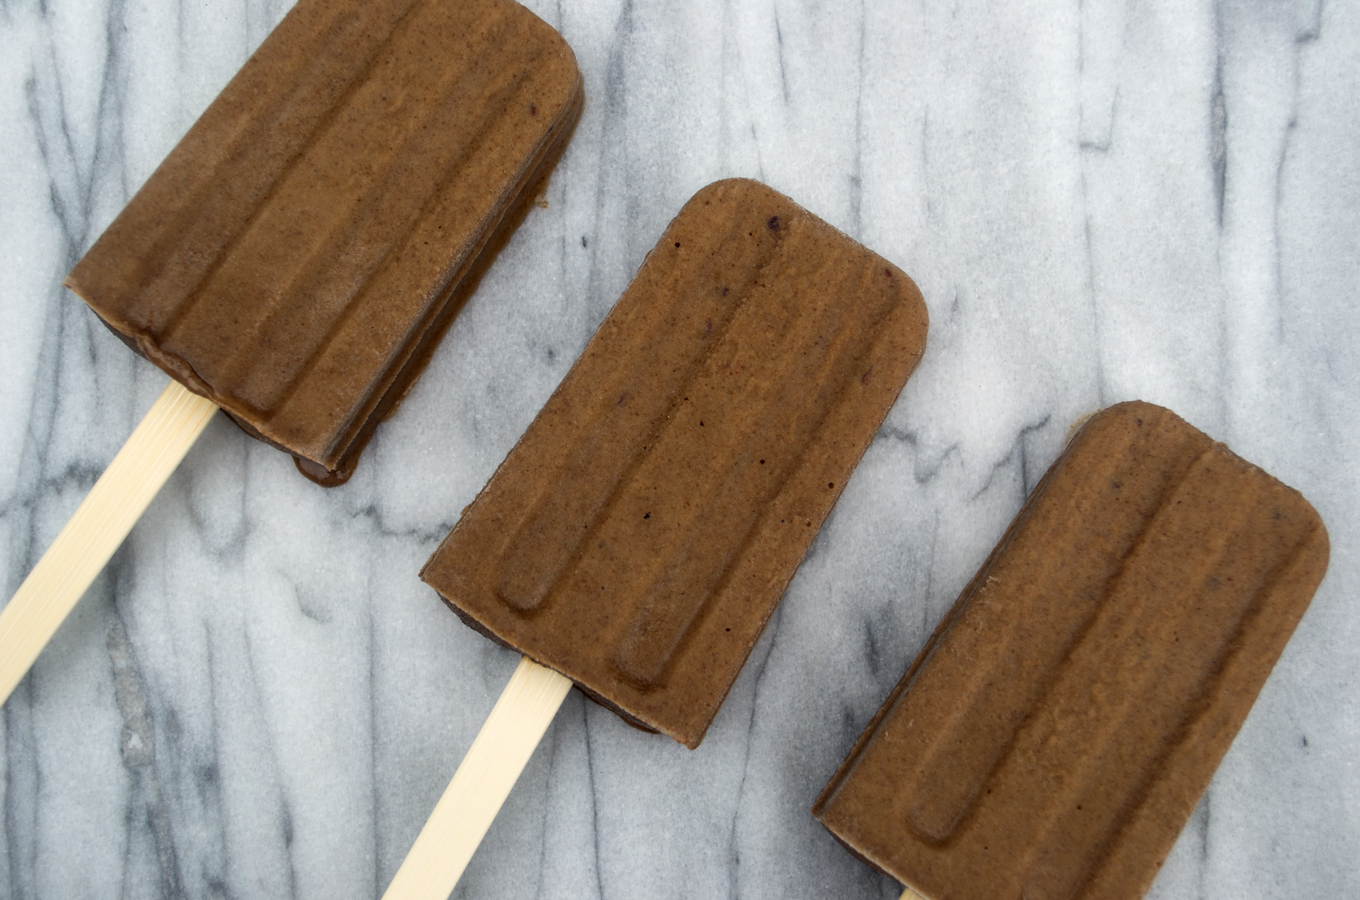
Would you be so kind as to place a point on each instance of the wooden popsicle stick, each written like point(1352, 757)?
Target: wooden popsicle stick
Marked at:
point(99, 524)
point(480, 785)
point(909, 894)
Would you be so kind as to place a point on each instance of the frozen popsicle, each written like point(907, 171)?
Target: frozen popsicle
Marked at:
point(1057, 730)
point(297, 256)
point(638, 537)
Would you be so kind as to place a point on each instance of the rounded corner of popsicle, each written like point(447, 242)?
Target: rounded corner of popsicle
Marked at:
point(1133, 409)
point(909, 292)
point(549, 35)
point(72, 283)
point(738, 182)
point(734, 190)
point(1316, 548)
point(1126, 414)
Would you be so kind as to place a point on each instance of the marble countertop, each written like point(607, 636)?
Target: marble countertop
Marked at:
point(1100, 201)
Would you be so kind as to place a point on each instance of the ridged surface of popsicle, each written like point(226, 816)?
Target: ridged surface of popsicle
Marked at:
point(297, 254)
point(1056, 732)
point(644, 528)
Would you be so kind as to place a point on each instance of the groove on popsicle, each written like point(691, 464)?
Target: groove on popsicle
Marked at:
point(355, 301)
point(1045, 613)
point(643, 443)
point(791, 389)
point(632, 403)
point(250, 147)
point(798, 355)
point(365, 203)
point(364, 187)
point(1252, 652)
point(1150, 636)
point(1131, 683)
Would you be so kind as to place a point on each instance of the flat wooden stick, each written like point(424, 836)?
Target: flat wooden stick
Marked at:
point(481, 784)
point(909, 894)
point(100, 523)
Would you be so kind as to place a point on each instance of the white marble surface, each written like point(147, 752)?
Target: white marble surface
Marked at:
point(1100, 201)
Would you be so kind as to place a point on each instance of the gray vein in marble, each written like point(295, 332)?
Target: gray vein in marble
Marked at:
point(1017, 455)
point(56, 150)
point(856, 177)
point(926, 168)
point(550, 751)
point(1200, 822)
point(38, 436)
point(374, 775)
point(924, 471)
point(925, 622)
point(139, 738)
point(22, 783)
point(199, 795)
point(758, 663)
point(427, 536)
point(1100, 388)
point(593, 793)
point(1218, 122)
point(283, 809)
point(139, 756)
point(783, 68)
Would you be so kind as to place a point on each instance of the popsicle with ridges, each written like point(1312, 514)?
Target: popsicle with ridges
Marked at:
point(296, 258)
point(1056, 732)
point(639, 536)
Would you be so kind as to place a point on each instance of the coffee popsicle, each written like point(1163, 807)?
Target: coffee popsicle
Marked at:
point(640, 534)
point(1058, 728)
point(297, 256)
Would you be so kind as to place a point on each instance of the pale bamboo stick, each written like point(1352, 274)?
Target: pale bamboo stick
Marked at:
point(480, 785)
point(99, 524)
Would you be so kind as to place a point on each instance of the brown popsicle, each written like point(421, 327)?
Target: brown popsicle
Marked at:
point(638, 537)
point(297, 256)
point(1057, 730)
point(640, 534)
